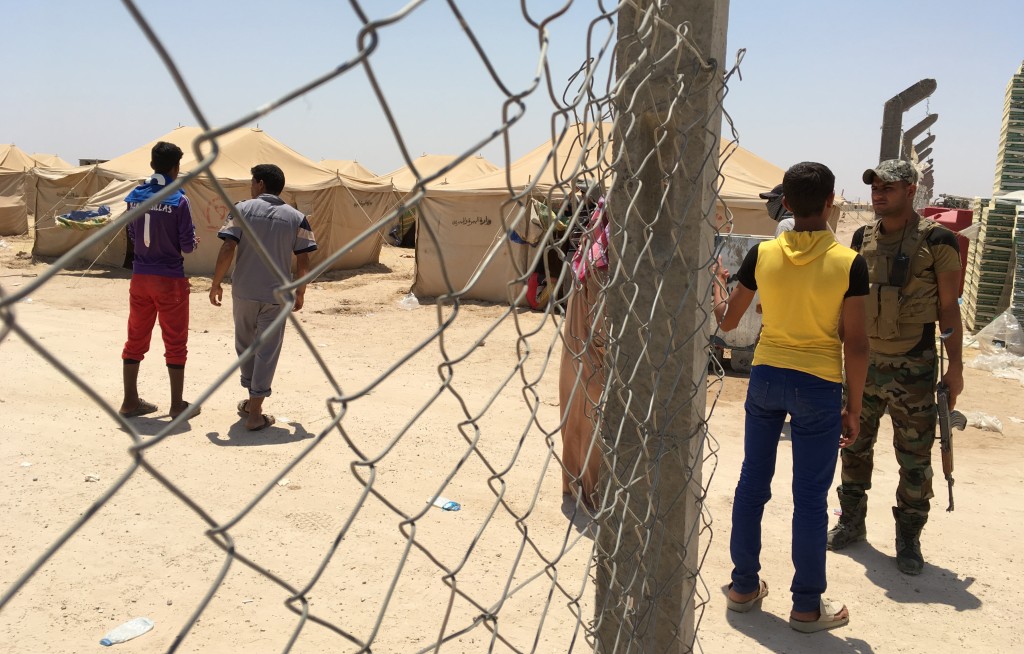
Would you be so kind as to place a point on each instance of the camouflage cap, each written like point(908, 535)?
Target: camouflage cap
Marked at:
point(892, 170)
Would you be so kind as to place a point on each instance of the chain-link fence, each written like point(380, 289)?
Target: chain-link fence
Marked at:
point(567, 412)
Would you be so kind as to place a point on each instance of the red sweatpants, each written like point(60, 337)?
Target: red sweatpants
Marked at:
point(153, 296)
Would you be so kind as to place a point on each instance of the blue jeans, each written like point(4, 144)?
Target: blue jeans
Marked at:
point(815, 407)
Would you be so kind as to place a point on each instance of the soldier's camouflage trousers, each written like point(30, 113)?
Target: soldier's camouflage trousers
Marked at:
point(907, 386)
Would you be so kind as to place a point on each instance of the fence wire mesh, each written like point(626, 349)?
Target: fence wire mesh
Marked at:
point(333, 538)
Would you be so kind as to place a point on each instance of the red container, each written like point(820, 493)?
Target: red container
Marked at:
point(955, 220)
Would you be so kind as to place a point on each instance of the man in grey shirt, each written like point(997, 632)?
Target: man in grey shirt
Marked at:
point(255, 289)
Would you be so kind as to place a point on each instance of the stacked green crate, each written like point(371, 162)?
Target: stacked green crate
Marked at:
point(990, 264)
point(1009, 173)
point(971, 275)
point(1010, 159)
point(991, 282)
point(968, 308)
point(1017, 296)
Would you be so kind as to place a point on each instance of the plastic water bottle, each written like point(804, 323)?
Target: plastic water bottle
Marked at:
point(127, 631)
point(409, 302)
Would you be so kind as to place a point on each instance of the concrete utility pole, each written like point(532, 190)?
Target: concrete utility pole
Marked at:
point(668, 122)
point(892, 116)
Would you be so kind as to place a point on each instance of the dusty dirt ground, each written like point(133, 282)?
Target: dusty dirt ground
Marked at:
point(145, 552)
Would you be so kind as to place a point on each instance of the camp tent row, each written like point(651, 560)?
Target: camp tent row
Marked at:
point(466, 210)
point(16, 186)
point(460, 246)
point(340, 208)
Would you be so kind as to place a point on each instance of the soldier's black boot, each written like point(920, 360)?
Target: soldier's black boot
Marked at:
point(908, 541)
point(851, 527)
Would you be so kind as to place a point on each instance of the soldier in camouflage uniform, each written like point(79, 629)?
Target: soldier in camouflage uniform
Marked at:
point(914, 268)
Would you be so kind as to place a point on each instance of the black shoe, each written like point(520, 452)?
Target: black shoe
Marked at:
point(846, 533)
point(908, 556)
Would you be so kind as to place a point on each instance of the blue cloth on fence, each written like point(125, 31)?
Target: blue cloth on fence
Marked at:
point(151, 187)
point(516, 238)
point(79, 216)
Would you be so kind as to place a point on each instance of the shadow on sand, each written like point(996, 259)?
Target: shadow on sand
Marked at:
point(935, 585)
point(153, 424)
point(578, 515)
point(774, 634)
point(276, 434)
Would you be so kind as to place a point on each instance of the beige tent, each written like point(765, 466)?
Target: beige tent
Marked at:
point(747, 175)
point(459, 245)
point(60, 190)
point(546, 168)
point(339, 208)
point(15, 189)
point(14, 186)
point(347, 167)
point(49, 160)
point(467, 219)
point(13, 158)
point(404, 180)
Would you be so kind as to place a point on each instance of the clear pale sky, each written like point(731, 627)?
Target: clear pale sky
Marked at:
point(82, 81)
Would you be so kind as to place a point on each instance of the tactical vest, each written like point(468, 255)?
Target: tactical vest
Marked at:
point(890, 303)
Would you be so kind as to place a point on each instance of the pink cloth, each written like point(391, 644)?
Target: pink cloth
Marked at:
point(593, 250)
point(580, 385)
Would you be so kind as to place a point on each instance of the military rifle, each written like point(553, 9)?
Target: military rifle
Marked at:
point(947, 419)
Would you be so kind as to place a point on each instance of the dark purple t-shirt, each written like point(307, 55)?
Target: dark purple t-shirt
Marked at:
point(161, 235)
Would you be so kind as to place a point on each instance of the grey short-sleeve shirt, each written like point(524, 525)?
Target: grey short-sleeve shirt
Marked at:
point(282, 229)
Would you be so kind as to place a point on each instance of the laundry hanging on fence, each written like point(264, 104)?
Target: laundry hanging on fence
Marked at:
point(85, 219)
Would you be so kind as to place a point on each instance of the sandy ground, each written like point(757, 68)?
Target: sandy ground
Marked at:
point(285, 494)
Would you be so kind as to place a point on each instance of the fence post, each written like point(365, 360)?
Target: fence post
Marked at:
point(668, 120)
